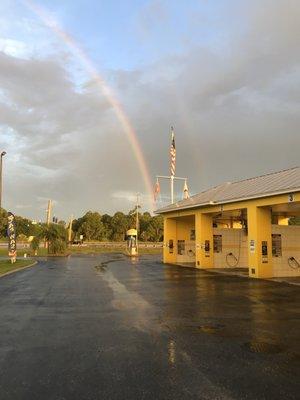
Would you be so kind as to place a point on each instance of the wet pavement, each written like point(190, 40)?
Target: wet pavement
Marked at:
point(103, 327)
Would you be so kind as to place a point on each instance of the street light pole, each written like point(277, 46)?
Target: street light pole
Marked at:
point(1, 164)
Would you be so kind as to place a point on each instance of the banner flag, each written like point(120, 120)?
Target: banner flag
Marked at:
point(186, 194)
point(12, 236)
point(156, 190)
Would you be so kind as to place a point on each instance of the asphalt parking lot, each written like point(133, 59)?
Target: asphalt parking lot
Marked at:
point(108, 327)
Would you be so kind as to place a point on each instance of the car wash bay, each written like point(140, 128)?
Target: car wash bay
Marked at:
point(255, 236)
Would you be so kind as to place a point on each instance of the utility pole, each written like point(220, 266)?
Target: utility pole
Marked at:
point(1, 165)
point(137, 220)
point(70, 229)
point(49, 209)
point(48, 216)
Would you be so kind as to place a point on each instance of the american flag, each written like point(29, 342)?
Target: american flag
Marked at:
point(172, 154)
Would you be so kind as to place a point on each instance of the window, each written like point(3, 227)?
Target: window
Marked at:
point(181, 247)
point(217, 243)
point(193, 235)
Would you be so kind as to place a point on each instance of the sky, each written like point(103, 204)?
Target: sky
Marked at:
point(224, 73)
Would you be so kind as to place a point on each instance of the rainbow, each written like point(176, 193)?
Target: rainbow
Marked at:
point(105, 89)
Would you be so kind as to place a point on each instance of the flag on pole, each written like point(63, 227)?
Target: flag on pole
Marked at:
point(186, 194)
point(156, 190)
point(172, 154)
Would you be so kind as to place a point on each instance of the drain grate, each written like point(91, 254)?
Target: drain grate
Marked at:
point(263, 347)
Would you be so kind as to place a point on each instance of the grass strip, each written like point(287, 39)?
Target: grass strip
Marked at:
point(6, 265)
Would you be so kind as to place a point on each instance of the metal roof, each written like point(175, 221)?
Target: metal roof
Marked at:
point(262, 186)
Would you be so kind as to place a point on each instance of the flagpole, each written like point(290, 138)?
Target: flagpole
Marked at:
point(172, 163)
point(172, 176)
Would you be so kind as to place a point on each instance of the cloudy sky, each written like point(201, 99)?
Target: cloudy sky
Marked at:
point(224, 73)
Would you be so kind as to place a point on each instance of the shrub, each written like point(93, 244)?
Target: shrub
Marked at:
point(57, 246)
point(35, 244)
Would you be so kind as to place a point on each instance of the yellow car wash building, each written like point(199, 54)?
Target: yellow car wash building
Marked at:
point(241, 224)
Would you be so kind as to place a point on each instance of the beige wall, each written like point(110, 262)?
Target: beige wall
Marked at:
point(233, 241)
point(290, 236)
point(184, 228)
point(236, 241)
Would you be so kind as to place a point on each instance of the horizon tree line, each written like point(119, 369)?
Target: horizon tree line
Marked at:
point(93, 226)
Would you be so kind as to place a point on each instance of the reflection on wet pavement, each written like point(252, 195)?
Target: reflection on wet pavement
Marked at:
point(263, 347)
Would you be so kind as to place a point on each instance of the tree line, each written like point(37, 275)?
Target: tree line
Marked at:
point(93, 226)
point(107, 227)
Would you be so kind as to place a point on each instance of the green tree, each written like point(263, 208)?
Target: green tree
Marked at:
point(107, 227)
point(145, 220)
point(23, 226)
point(156, 228)
point(90, 226)
point(106, 221)
point(35, 244)
point(119, 226)
point(3, 223)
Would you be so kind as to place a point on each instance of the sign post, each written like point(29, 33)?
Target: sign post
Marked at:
point(12, 237)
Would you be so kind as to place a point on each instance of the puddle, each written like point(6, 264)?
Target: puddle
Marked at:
point(211, 329)
point(208, 329)
point(263, 347)
point(102, 267)
point(294, 357)
point(136, 310)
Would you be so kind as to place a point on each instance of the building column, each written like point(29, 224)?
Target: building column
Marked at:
point(204, 240)
point(260, 242)
point(170, 239)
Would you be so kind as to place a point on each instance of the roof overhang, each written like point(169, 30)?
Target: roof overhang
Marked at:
point(167, 210)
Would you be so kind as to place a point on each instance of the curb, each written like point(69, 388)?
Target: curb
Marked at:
point(18, 269)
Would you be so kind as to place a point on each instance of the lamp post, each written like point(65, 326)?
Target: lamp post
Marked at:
point(1, 163)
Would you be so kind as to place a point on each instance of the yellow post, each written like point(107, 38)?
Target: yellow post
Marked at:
point(259, 242)
point(204, 240)
point(170, 241)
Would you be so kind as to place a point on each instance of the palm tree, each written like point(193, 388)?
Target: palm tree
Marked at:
point(56, 235)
